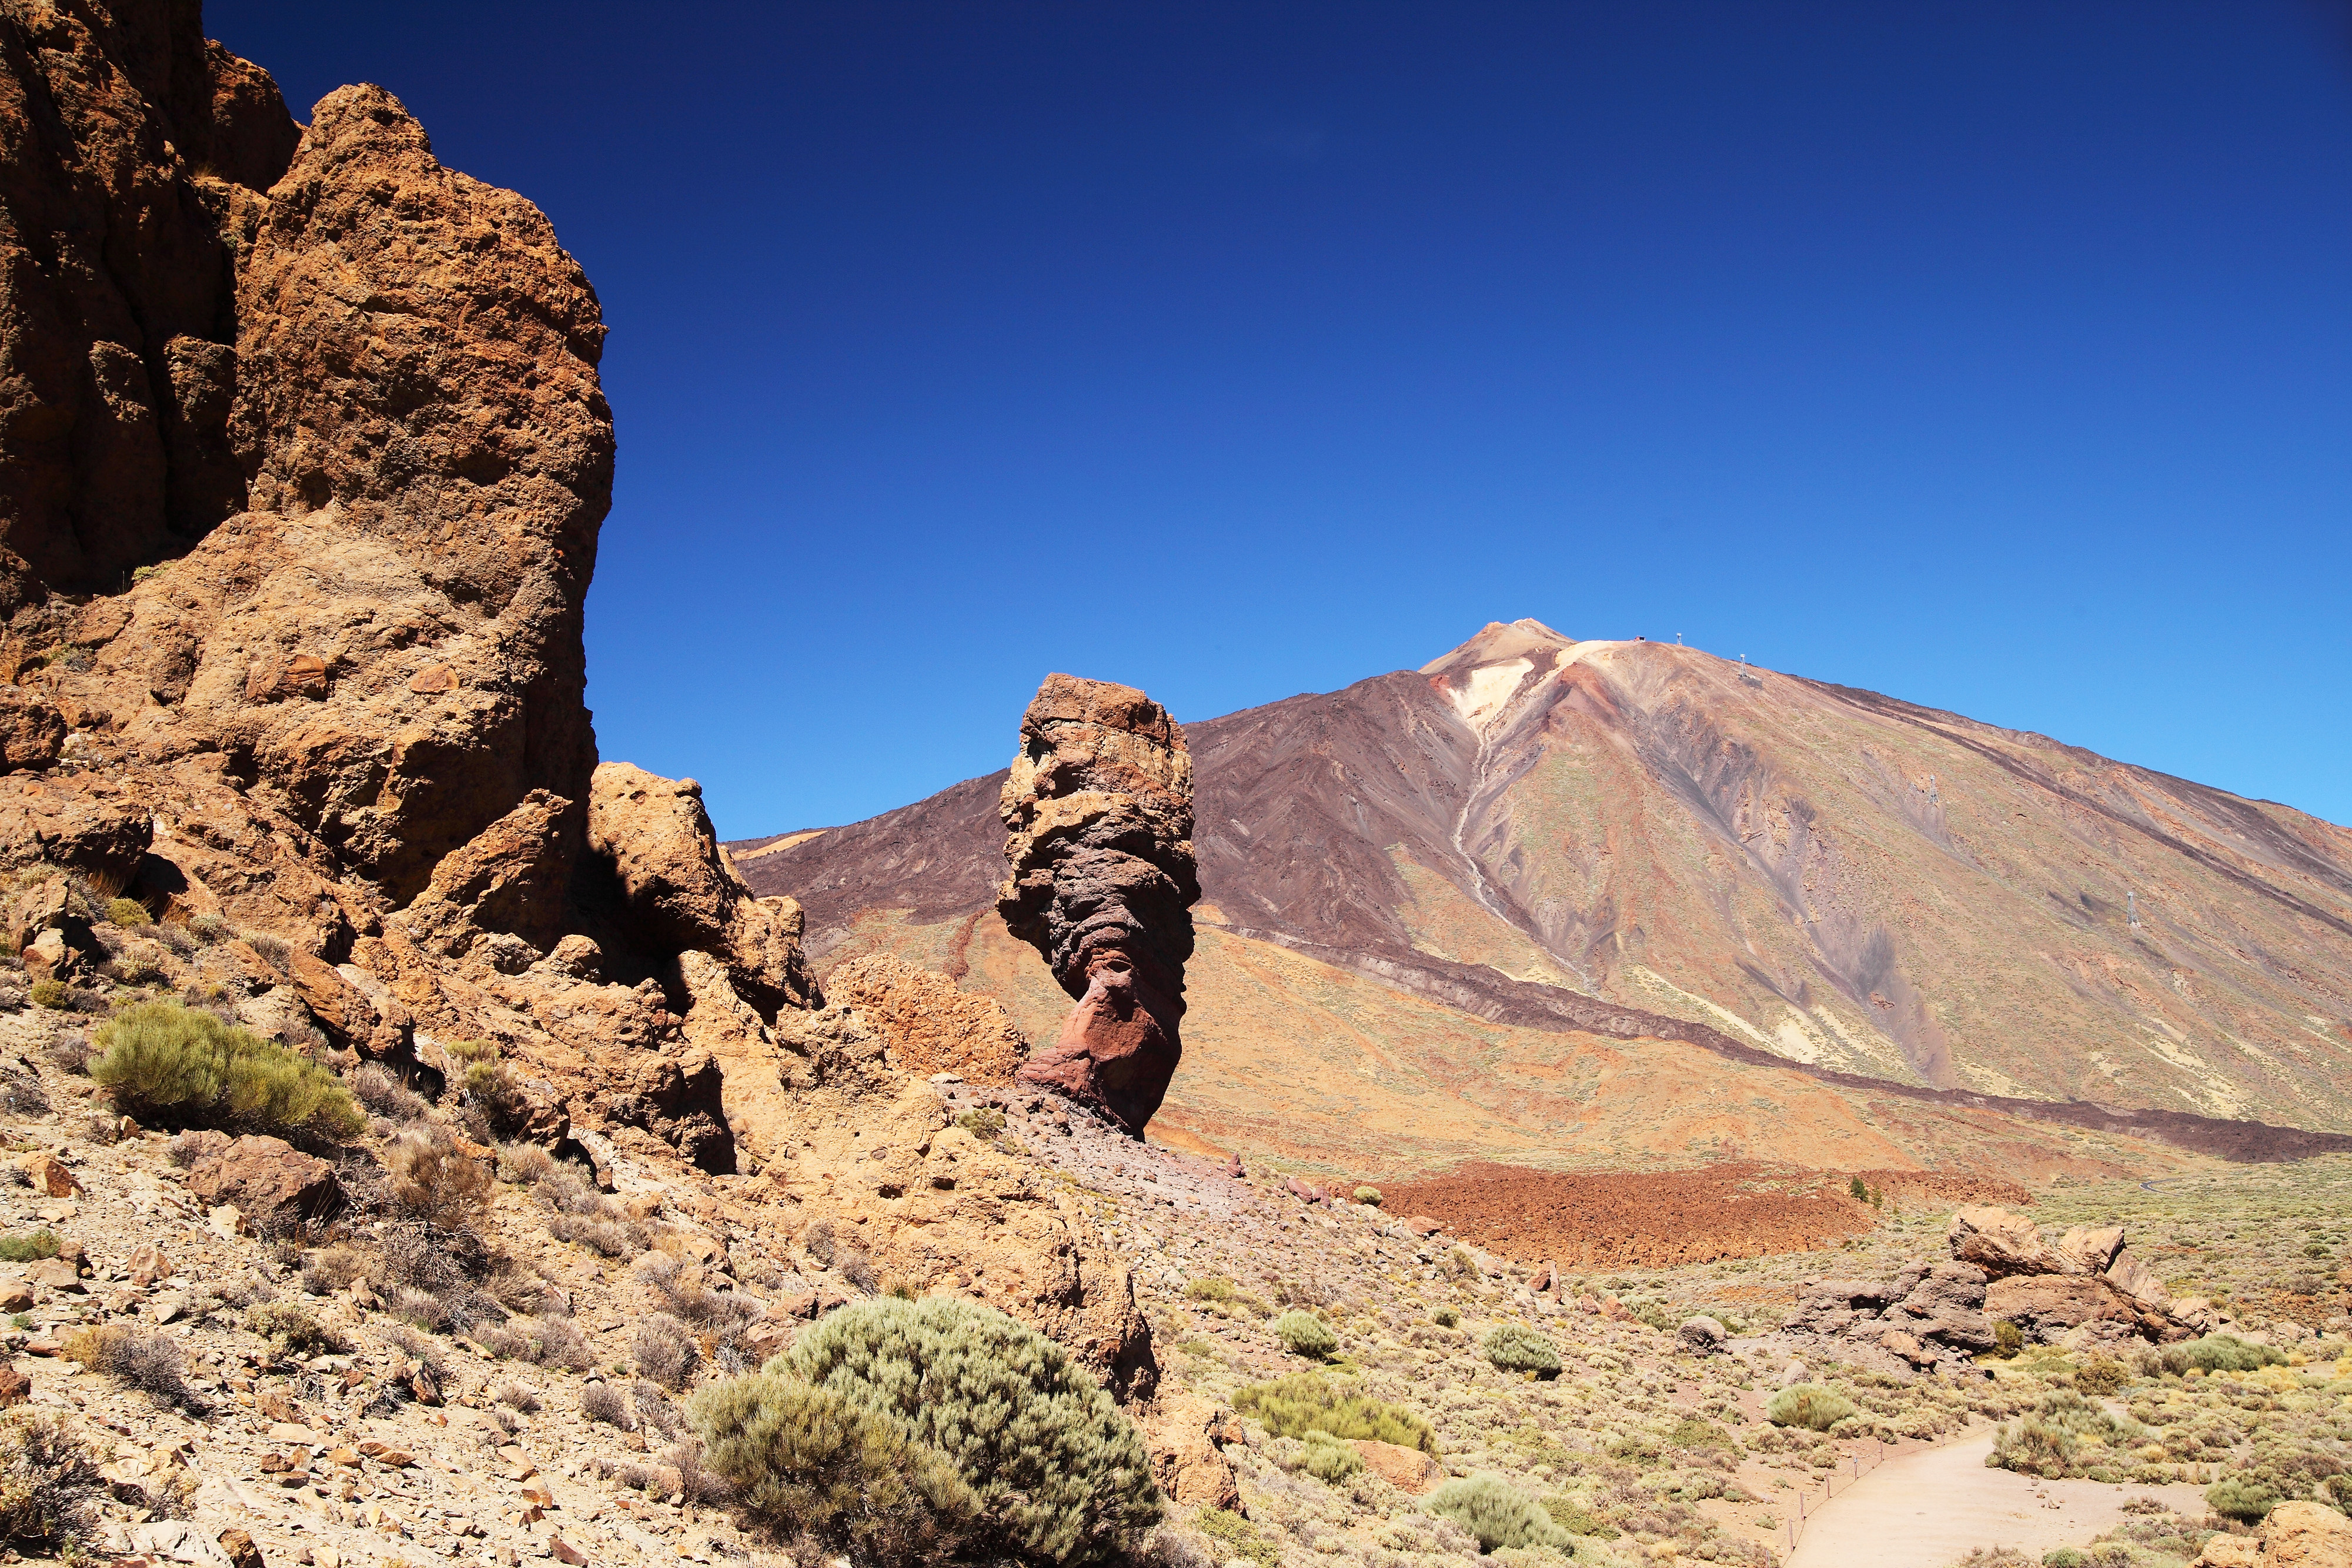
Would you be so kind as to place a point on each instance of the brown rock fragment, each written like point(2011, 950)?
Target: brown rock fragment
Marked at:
point(15, 1386)
point(49, 1175)
point(32, 732)
point(273, 1184)
point(239, 1549)
point(1407, 1470)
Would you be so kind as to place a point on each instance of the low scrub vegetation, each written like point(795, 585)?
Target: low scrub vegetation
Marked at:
point(49, 1482)
point(1307, 1402)
point(1304, 1334)
point(178, 1066)
point(1498, 1514)
point(1809, 1405)
point(1511, 1348)
point(930, 1404)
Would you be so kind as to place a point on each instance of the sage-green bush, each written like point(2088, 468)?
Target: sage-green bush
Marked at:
point(178, 1066)
point(1304, 1334)
point(1511, 1348)
point(2233, 1497)
point(806, 1459)
point(1809, 1406)
point(1330, 1460)
point(1307, 1402)
point(2225, 1352)
point(1060, 1474)
point(1498, 1514)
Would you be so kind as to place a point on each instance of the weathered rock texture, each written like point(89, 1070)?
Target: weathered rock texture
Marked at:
point(2085, 1288)
point(302, 460)
point(931, 1027)
point(1099, 811)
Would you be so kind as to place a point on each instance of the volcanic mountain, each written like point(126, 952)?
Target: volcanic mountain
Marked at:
point(1571, 900)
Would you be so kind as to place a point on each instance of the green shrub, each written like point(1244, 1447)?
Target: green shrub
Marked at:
point(1061, 1475)
point(2007, 1337)
point(1498, 1514)
point(1809, 1406)
point(1304, 1334)
point(1330, 1460)
point(291, 1330)
point(2065, 1433)
point(1307, 1402)
point(1209, 1288)
point(2100, 1375)
point(49, 1481)
point(1511, 1348)
point(2226, 1353)
point(806, 1459)
point(1370, 1196)
point(2233, 1497)
point(52, 994)
point(176, 1065)
point(983, 1122)
point(1445, 1317)
point(26, 1246)
point(128, 912)
point(1578, 1518)
point(1239, 1537)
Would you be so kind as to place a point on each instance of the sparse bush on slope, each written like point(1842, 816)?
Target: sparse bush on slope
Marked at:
point(1304, 1334)
point(1498, 1514)
point(1511, 1348)
point(1058, 1474)
point(804, 1459)
point(1307, 1402)
point(1809, 1406)
point(180, 1066)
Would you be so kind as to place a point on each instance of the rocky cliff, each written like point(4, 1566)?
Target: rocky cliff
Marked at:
point(303, 456)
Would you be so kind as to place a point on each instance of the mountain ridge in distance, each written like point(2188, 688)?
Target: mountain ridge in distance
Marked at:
point(1599, 847)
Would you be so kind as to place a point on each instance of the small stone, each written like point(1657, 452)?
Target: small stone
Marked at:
point(15, 1296)
point(564, 1550)
point(49, 1175)
point(241, 1551)
point(15, 1386)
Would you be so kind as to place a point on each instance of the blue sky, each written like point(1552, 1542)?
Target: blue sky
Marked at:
point(1996, 356)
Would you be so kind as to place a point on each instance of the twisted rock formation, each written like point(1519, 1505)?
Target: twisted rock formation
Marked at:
point(1099, 811)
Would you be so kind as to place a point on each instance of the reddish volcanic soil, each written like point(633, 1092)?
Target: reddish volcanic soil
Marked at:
point(1660, 1219)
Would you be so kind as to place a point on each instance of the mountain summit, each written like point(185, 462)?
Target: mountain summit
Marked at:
point(1540, 829)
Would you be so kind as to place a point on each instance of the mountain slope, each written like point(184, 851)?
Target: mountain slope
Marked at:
point(1829, 877)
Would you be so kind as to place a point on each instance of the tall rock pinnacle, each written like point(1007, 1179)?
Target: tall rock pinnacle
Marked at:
point(1099, 811)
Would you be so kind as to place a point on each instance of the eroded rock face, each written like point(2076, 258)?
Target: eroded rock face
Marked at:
point(127, 142)
point(1098, 813)
point(681, 890)
point(274, 1184)
point(931, 1026)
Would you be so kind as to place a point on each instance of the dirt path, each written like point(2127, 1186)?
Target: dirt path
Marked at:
point(1927, 1510)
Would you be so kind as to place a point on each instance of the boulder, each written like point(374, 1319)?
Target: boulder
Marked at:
point(1408, 1470)
point(273, 1184)
point(32, 732)
point(2003, 1243)
point(15, 1386)
point(49, 1175)
point(2136, 1279)
point(681, 891)
point(1184, 1434)
point(85, 823)
point(1097, 810)
point(2306, 1535)
point(1702, 1335)
point(2045, 1305)
point(2089, 1250)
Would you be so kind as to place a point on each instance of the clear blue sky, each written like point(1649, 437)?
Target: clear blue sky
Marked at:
point(1994, 355)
